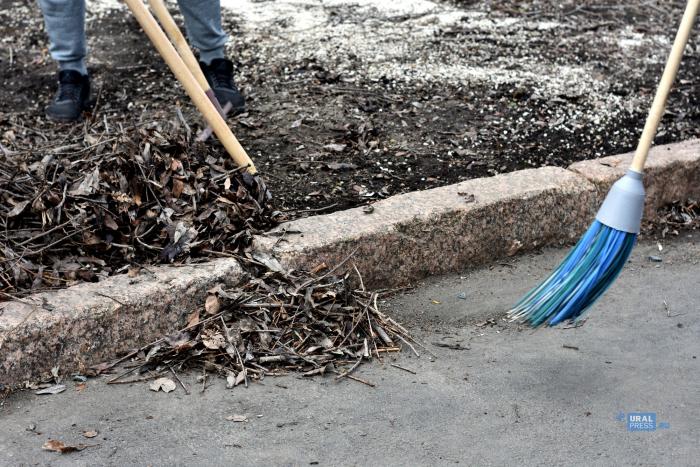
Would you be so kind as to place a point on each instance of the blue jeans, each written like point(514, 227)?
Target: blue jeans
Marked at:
point(65, 25)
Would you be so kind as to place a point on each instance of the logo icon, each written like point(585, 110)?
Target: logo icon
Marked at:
point(641, 421)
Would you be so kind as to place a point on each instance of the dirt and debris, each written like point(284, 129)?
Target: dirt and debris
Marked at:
point(163, 384)
point(673, 219)
point(51, 390)
point(96, 205)
point(348, 103)
point(60, 446)
point(278, 323)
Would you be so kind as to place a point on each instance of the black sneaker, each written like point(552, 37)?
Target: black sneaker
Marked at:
point(219, 74)
point(72, 97)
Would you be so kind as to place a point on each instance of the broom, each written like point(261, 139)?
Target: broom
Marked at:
point(599, 256)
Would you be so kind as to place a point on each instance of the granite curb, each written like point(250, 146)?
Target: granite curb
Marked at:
point(403, 239)
point(90, 323)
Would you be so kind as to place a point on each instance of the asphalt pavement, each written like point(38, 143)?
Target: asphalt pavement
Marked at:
point(493, 393)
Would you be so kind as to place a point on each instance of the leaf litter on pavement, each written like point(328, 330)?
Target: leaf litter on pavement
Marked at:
point(279, 322)
point(109, 199)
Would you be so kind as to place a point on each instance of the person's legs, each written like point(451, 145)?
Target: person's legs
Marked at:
point(65, 26)
point(203, 24)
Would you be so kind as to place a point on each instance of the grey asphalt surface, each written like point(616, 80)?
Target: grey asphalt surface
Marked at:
point(501, 394)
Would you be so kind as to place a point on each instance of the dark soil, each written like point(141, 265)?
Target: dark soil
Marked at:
point(390, 137)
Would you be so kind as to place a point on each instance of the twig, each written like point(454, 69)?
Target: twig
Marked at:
point(346, 373)
point(111, 298)
point(180, 381)
point(137, 380)
point(402, 368)
point(127, 372)
point(337, 266)
point(408, 344)
point(240, 361)
point(355, 378)
point(207, 132)
point(60, 240)
point(362, 284)
point(322, 208)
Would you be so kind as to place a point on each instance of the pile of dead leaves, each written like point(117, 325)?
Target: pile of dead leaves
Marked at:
point(105, 197)
point(277, 323)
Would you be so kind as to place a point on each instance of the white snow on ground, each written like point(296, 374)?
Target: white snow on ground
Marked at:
point(385, 35)
point(388, 39)
point(98, 6)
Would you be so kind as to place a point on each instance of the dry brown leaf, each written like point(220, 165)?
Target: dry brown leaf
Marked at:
point(212, 305)
point(178, 186)
point(59, 446)
point(52, 390)
point(164, 384)
point(240, 378)
point(89, 238)
point(514, 248)
point(88, 185)
point(230, 380)
point(214, 341)
point(318, 268)
point(193, 319)
point(335, 147)
point(110, 223)
point(17, 210)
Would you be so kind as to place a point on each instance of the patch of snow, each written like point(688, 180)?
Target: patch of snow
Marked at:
point(547, 25)
point(635, 39)
point(101, 6)
point(396, 40)
point(383, 36)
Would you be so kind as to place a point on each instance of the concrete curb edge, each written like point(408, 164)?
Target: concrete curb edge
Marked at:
point(406, 238)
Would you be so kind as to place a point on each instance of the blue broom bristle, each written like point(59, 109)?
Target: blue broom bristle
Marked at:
point(586, 273)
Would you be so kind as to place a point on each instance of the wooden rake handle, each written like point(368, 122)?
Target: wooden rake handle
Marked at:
point(658, 107)
point(178, 39)
point(193, 88)
point(183, 48)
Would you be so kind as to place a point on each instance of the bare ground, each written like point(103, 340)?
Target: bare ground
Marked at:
point(351, 101)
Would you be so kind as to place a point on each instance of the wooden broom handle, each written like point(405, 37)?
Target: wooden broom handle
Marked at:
point(189, 82)
point(178, 39)
point(659, 105)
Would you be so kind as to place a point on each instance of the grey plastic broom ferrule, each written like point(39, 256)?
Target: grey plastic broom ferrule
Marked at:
point(624, 204)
